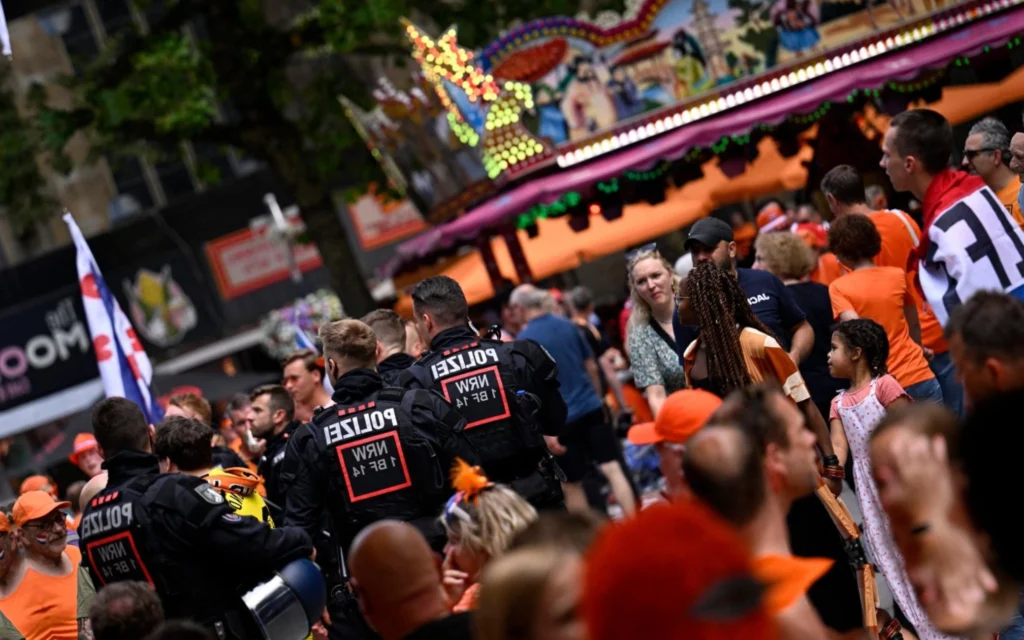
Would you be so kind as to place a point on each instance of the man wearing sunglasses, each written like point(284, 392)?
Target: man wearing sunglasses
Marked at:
point(46, 593)
point(987, 154)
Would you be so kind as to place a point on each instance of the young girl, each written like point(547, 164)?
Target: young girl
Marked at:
point(859, 353)
point(481, 520)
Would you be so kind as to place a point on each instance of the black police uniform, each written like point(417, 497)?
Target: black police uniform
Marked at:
point(378, 452)
point(390, 369)
point(272, 466)
point(508, 393)
point(176, 533)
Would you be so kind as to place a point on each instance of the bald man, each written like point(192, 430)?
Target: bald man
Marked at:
point(398, 581)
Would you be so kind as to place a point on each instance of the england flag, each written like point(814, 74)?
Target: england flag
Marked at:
point(124, 366)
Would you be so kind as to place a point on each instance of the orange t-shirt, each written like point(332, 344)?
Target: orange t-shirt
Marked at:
point(879, 293)
point(45, 607)
point(900, 236)
point(764, 358)
point(1008, 196)
point(828, 269)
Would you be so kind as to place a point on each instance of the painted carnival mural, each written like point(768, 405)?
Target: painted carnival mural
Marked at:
point(470, 116)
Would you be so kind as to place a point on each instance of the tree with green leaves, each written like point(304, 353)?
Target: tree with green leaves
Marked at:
point(281, 65)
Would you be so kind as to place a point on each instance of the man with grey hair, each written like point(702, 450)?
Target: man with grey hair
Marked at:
point(876, 198)
point(586, 436)
point(987, 154)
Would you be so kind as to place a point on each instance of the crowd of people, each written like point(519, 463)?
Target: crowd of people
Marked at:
point(498, 485)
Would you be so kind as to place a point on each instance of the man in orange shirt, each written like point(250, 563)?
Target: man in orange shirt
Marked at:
point(844, 189)
point(47, 594)
point(987, 154)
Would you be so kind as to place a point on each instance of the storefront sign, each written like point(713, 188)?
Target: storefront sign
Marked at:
point(245, 261)
point(379, 221)
point(44, 349)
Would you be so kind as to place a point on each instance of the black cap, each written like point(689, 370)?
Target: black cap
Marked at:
point(709, 232)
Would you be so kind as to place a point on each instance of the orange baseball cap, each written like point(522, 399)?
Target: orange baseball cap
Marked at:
point(33, 505)
point(682, 415)
point(38, 483)
point(83, 442)
point(5, 523)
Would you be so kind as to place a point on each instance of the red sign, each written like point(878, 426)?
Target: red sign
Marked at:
point(379, 221)
point(245, 261)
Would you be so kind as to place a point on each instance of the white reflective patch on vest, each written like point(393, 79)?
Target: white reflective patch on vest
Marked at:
point(206, 492)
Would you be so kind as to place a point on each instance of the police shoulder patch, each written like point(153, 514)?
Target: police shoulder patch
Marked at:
point(208, 493)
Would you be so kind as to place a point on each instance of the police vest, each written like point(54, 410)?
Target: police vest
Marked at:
point(479, 380)
point(117, 541)
point(378, 465)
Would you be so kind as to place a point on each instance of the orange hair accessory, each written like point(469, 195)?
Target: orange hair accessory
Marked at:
point(468, 480)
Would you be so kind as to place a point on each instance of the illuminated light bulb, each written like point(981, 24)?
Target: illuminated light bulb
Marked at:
point(623, 139)
point(775, 85)
point(917, 32)
point(801, 76)
point(756, 91)
point(694, 113)
point(503, 165)
point(687, 118)
point(791, 78)
point(872, 51)
point(730, 101)
point(641, 133)
point(854, 56)
point(561, 161)
point(659, 127)
point(704, 110)
point(819, 69)
point(863, 53)
point(578, 156)
point(633, 137)
point(606, 146)
point(880, 47)
point(650, 130)
point(677, 120)
point(749, 94)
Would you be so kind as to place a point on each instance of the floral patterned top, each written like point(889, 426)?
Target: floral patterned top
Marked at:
point(653, 358)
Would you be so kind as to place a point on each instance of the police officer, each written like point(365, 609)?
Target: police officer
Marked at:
point(507, 391)
point(273, 413)
point(392, 359)
point(378, 452)
point(175, 532)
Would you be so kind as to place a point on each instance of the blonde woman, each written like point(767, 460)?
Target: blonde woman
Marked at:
point(481, 520)
point(650, 339)
point(532, 594)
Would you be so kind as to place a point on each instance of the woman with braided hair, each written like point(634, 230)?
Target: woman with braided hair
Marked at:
point(735, 349)
point(860, 351)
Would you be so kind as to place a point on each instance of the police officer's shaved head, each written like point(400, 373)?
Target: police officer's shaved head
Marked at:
point(120, 425)
point(397, 577)
point(388, 326)
point(438, 304)
point(348, 344)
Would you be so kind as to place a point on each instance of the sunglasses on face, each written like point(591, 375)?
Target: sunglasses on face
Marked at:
point(970, 154)
point(46, 524)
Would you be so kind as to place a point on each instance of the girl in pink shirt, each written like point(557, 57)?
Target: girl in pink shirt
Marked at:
point(860, 350)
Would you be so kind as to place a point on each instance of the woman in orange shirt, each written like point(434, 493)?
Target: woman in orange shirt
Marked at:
point(881, 294)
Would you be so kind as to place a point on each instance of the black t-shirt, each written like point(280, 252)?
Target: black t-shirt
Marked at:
point(598, 345)
point(772, 302)
point(813, 298)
